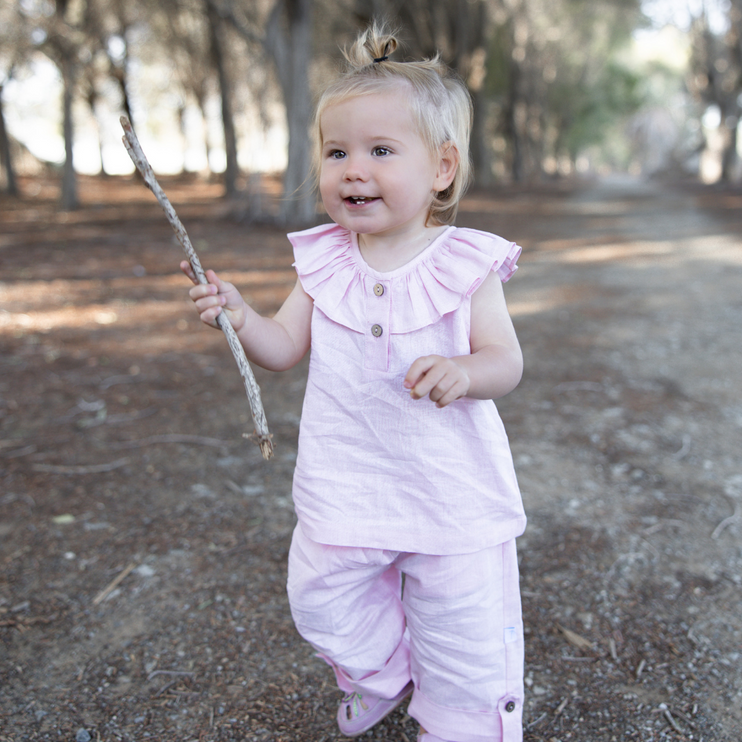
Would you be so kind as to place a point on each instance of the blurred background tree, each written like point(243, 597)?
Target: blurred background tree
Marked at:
point(225, 87)
point(716, 78)
point(14, 42)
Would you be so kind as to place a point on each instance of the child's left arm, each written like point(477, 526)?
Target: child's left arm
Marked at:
point(495, 365)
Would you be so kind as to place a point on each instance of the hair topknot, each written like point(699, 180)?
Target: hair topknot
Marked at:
point(439, 102)
point(375, 43)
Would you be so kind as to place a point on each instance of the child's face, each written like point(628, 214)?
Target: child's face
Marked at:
point(377, 175)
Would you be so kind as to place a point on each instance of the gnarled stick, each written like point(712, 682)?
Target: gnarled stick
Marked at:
point(251, 387)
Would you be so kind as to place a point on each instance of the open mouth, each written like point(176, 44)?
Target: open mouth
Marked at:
point(359, 200)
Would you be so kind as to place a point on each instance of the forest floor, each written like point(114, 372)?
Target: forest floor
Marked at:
point(143, 542)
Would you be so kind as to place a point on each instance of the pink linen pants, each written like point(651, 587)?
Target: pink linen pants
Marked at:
point(457, 631)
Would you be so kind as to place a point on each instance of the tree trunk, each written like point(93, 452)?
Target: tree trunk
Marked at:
point(729, 152)
point(6, 158)
point(92, 104)
point(480, 151)
point(69, 178)
point(513, 124)
point(205, 129)
point(225, 90)
point(289, 42)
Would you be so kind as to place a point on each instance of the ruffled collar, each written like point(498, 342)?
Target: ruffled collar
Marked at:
point(355, 248)
point(435, 282)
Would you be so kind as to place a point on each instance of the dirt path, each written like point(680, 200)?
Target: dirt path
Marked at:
point(121, 456)
point(629, 456)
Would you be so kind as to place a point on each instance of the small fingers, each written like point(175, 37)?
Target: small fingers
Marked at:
point(206, 296)
point(416, 373)
point(428, 384)
point(187, 268)
point(203, 290)
point(445, 393)
point(441, 379)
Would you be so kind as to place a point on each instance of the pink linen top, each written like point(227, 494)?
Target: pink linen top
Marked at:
point(376, 468)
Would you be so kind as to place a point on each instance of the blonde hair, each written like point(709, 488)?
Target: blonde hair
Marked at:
point(440, 103)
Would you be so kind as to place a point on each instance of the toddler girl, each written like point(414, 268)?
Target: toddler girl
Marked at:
point(404, 467)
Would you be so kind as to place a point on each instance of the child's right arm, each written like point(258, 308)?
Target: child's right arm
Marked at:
point(277, 343)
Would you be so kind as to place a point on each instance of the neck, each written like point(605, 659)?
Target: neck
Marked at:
point(387, 253)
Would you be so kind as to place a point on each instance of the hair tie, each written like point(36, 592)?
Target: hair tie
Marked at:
point(385, 56)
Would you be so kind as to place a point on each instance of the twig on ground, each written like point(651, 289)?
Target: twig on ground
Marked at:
point(733, 518)
point(155, 673)
point(25, 451)
point(9, 443)
point(536, 721)
point(575, 639)
point(685, 718)
point(22, 623)
point(666, 713)
point(166, 687)
point(121, 379)
point(91, 469)
point(684, 450)
point(103, 594)
point(172, 438)
point(251, 387)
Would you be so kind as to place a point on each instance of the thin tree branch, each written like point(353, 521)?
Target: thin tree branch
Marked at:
point(251, 387)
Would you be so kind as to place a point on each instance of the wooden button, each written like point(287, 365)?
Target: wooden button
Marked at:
point(378, 289)
point(376, 331)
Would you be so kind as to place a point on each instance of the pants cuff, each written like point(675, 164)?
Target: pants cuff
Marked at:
point(503, 725)
point(385, 683)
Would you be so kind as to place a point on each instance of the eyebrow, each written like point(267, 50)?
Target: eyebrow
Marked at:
point(382, 139)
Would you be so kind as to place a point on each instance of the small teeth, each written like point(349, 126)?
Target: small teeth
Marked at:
point(358, 200)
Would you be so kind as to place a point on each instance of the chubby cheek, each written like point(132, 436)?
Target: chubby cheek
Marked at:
point(327, 187)
point(330, 197)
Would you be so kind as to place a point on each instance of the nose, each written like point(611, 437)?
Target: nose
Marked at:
point(355, 169)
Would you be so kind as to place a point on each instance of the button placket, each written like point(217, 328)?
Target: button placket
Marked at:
point(378, 316)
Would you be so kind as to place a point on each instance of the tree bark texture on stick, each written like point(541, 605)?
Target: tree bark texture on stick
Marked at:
point(251, 387)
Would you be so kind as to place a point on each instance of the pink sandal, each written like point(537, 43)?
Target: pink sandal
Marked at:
point(358, 712)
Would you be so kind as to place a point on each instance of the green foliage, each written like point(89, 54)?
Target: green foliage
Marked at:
point(586, 114)
point(554, 75)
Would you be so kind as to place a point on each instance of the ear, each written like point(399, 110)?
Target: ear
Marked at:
point(448, 164)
